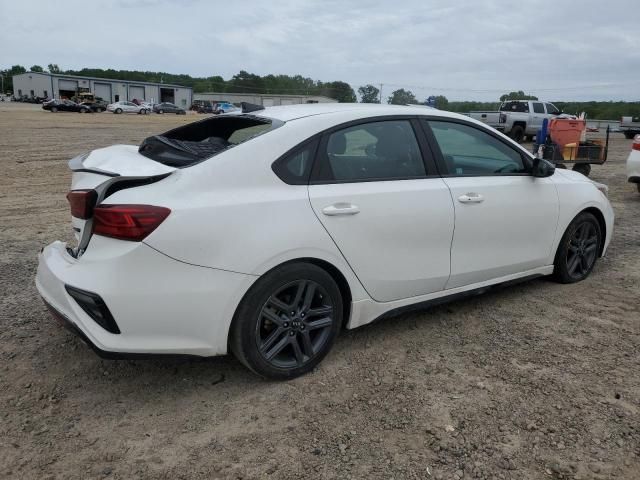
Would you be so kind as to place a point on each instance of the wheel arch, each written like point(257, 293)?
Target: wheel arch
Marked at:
point(601, 221)
point(335, 273)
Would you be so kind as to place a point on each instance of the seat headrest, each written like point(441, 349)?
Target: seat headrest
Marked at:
point(337, 144)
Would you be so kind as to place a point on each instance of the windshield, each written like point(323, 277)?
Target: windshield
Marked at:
point(198, 141)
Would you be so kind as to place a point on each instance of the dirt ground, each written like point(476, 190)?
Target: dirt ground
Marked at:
point(535, 381)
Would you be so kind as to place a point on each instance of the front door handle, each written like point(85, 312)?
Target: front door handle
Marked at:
point(340, 209)
point(471, 198)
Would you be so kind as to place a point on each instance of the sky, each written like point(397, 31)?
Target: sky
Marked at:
point(463, 49)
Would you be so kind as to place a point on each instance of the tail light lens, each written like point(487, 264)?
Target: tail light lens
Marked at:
point(636, 143)
point(128, 222)
point(82, 203)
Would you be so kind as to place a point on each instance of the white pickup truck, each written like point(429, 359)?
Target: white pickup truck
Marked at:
point(630, 126)
point(518, 118)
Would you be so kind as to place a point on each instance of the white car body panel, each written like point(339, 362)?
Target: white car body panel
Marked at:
point(232, 220)
point(406, 225)
point(633, 163)
point(493, 236)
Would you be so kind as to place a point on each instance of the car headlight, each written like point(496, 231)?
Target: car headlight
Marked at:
point(603, 188)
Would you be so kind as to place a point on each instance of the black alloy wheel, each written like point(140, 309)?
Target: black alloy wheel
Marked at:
point(579, 249)
point(287, 321)
point(294, 324)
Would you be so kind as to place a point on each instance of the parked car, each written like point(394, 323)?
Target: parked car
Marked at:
point(127, 107)
point(225, 107)
point(65, 106)
point(633, 163)
point(98, 105)
point(519, 119)
point(630, 126)
point(204, 106)
point(269, 232)
point(167, 107)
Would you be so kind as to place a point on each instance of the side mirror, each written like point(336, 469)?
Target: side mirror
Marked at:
point(542, 168)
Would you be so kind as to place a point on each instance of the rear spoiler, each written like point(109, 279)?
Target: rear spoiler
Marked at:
point(76, 165)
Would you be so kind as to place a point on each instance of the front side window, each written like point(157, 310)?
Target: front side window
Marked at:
point(551, 109)
point(384, 150)
point(468, 150)
point(538, 107)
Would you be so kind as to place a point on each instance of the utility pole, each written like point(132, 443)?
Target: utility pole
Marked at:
point(381, 93)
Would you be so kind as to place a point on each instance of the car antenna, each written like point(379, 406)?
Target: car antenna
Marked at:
point(250, 107)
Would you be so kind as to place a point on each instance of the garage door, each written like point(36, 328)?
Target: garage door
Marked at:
point(267, 102)
point(68, 85)
point(102, 90)
point(136, 92)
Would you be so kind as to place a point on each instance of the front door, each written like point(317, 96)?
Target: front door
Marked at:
point(392, 222)
point(505, 219)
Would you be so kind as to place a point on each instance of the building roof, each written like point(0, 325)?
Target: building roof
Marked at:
point(101, 79)
point(274, 95)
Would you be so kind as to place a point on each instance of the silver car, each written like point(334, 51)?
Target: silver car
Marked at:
point(127, 107)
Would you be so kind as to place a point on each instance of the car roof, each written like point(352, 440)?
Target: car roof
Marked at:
point(358, 110)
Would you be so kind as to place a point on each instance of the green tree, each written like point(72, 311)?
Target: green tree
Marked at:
point(519, 95)
point(442, 102)
point(54, 68)
point(340, 91)
point(369, 94)
point(36, 68)
point(402, 97)
point(7, 77)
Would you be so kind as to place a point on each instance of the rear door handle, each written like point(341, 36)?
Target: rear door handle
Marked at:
point(340, 209)
point(471, 198)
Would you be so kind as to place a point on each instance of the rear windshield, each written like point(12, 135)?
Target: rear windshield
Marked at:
point(514, 107)
point(198, 141)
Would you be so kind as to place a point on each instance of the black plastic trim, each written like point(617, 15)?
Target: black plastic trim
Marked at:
point(453, 297)
point(634, 179)
point(108, 322)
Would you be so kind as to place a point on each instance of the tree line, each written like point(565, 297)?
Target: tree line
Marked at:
point(245, 82)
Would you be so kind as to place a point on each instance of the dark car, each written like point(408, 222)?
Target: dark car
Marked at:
point(65, 106)
point(166, 107)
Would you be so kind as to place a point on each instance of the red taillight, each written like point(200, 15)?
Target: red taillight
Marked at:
point(128, 222)
point(82, 203)
point(636, 143)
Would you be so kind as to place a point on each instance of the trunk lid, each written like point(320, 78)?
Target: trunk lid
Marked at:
point(105, 171)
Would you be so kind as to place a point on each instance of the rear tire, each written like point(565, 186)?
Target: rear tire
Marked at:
point(287, 322)
point(578, 250)
point(161, 111)
point(517, 133)
point(118, 111)
point(583, 168)
point(54, 109)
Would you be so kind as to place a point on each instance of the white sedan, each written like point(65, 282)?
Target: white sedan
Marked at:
point(127, 107)
point(633, 163)
point(267, 232)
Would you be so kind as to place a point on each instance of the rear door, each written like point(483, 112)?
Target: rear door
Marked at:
point(384, 206)
point(505, 219)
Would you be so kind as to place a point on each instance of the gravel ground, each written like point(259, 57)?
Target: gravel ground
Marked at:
point(535, 381)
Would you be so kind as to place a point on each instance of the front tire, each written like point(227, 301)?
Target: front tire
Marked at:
point(578, 250)
point(160, 111)
point(118, 110)
point(287, 322)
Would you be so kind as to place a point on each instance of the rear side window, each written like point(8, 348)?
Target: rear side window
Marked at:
point(522, 107)
point(295, 167)
point(198, 141)
point(386, 150)
point(538, 107)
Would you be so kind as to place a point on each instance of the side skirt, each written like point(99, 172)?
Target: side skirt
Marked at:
point(367, 311)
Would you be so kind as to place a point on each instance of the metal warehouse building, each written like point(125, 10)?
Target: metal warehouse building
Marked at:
point(268, 100)
point(35, 84)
